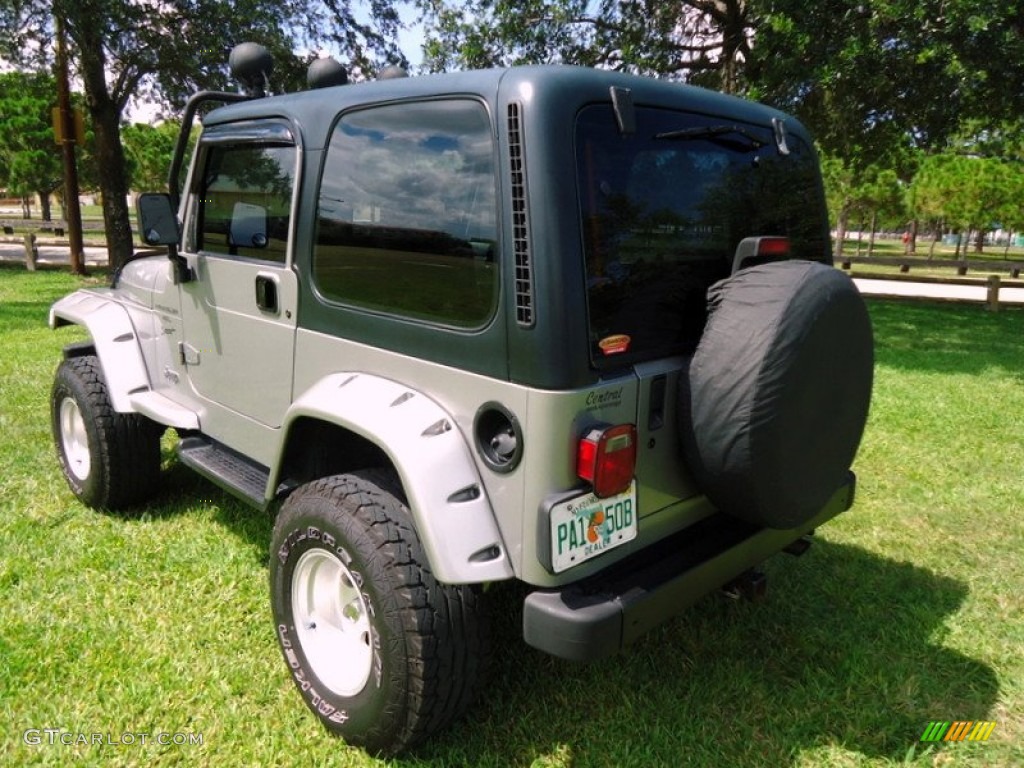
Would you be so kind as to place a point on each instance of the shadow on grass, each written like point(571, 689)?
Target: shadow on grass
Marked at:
point(839, 654)
point(946, 338)
point(182, 488)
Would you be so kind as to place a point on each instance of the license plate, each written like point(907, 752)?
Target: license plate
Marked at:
point(586, 526)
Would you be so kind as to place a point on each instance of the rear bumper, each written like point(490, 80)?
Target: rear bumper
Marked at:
point(597, 617)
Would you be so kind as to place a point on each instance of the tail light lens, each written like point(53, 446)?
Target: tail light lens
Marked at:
point(606, 458)
point(773, 246)
point(759, 250)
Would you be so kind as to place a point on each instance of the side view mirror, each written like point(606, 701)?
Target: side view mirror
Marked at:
point(158, 223)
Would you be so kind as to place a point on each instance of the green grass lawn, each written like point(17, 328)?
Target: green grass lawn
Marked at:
point(908, 609)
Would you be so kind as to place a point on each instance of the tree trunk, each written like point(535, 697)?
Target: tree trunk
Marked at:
point(106, 116)
point(871, 236)
point(840, 234)
point(912, 238)
point(26, 208)
point(979, 241)
point(44, 206)
point(734, 23)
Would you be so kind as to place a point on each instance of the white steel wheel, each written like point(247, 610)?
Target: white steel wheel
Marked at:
point(380, 651)
point(74, 439)
point(332, 622)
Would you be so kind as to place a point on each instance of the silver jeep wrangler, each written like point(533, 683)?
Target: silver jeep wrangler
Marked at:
point(564, 326)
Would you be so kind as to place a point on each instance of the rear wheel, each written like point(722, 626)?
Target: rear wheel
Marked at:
point(380, 651)
point(110, 460)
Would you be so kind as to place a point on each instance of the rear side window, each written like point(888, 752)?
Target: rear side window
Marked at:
point(407, 213)
point(662, 212)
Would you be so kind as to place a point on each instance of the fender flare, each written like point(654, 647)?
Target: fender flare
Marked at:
point(449, 506)
point(115, 339)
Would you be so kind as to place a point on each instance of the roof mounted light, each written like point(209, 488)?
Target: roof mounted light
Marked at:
point(323, 73)
point(251, 65)
point(392, 72)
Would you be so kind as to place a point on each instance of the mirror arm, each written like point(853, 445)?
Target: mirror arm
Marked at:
point(182, 271)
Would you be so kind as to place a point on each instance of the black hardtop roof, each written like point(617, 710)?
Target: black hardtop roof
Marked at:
point(551, 84)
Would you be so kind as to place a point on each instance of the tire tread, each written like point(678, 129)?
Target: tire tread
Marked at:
point(129, 443)
point(445, 631)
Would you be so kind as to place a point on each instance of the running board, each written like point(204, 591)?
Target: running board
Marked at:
point(236, 474)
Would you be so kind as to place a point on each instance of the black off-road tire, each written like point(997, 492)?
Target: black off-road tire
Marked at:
point(110, 460)
point(350, 583)
point(775, 401)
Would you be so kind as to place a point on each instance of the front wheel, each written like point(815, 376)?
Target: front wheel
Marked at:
point(110, 460)
point(381, 652)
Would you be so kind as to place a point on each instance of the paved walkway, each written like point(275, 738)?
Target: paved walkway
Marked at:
point(52, 254)
point(909, 289)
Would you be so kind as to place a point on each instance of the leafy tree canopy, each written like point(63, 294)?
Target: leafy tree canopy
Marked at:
point(30, 159)
point(873, 77)
point(29, 155)
point(148, 151)
point(166, 50)
point(702, 41)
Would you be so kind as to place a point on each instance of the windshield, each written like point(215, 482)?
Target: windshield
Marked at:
point(663, 210)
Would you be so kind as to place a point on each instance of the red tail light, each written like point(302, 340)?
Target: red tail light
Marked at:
point(759, 250)
point(772, 246)
point(606, 458)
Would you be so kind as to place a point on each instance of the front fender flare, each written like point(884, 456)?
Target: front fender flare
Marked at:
point(115, 339)
point(446, 497)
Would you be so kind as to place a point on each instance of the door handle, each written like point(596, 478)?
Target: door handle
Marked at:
point(266, 292)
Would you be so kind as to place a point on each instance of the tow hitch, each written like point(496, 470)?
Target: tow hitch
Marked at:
point(751, 585)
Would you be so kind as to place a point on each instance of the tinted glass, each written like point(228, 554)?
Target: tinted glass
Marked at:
point(663, 211)
point(245, 201)
point(407, 216)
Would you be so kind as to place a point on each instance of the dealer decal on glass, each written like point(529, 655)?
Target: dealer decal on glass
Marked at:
point(586, 526)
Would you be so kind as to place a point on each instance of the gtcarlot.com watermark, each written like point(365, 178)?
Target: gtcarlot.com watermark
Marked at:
point(37, 737)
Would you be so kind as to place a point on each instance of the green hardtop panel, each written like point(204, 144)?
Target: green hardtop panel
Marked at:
point(571, 86)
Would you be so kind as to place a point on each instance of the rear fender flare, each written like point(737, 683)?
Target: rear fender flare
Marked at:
point(449, 506)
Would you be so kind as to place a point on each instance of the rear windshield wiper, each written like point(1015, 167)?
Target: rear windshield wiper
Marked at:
point(716, 133)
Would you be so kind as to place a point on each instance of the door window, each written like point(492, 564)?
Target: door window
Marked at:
point(245, 200)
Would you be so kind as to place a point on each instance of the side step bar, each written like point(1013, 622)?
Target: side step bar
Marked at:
point(236, 474)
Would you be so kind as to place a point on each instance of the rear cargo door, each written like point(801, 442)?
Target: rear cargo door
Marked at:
point(663, 210)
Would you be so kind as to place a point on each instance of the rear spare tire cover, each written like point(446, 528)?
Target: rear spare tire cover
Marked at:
point(776, 398)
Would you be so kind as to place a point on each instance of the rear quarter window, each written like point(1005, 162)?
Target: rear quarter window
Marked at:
point(407, 219)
